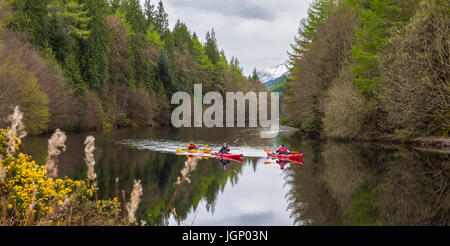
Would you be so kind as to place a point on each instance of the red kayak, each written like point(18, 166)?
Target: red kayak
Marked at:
point(286, 157)
point(228, 155)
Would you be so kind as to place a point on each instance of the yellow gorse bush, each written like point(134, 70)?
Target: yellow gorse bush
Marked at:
point(25, 176)
point(27, 188)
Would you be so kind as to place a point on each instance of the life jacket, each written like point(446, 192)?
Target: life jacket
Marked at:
point(282, 150)
point(191, 146)
point(224, 150)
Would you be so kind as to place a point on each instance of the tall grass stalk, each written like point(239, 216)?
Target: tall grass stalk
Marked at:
point(90, 160)
point(16, 132)
point(55, 145)
point(135, 199)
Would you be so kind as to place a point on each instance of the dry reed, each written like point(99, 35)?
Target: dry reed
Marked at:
point(90, 160)
point(55, 145)
point(16, 132)
point(135, 199)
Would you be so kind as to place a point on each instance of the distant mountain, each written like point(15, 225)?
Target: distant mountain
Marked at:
point(274, 73)
point(274, 81)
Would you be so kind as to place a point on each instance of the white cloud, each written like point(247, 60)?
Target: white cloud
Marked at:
point(258, 32)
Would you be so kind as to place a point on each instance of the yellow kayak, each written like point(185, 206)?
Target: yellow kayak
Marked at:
point(206, 151)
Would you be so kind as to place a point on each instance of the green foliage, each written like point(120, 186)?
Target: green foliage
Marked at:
point(94, 51)
point(396, 84)
point(254, 77)
point(153, 38)
point(364, 209)
point(111, 51)
point(316, 68)
point(377, 18)
point(235, 66)
point(165, 73)
point(199, 54)
point(31, 17)
point(211, 48)
point(161, 19)
point(318, 13)
point(149, 12)
point(414, 70)
point(72, 71)
point(20, 87)
point(280, 86)
point(182, 36)
point(134, 15)
point(73, 16)
point(219, 73)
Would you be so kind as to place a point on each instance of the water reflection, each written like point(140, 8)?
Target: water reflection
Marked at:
point(369, 184)
point(338, 183)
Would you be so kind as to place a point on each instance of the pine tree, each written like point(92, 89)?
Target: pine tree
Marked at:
point(161, 20)
point(165, 74)
point(31, 16)
point(254, 77)
point(182, 36)
point(318, 13)
point(199, 54)
point(114, 5)
point(152, 37)
point(377, 19)
point(134, 15)
point(94, 51)
point(149, 12)
point(211, 48)
point(235, 66)
point(220, 71)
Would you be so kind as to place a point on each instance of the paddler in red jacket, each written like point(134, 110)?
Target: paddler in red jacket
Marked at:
point(224, 149)
point(282, 150)
point(191, 146)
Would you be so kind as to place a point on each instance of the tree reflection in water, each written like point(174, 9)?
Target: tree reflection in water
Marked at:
point(368, 184)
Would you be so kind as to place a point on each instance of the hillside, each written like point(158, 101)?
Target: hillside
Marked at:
point(86, 65)
point(370, 69)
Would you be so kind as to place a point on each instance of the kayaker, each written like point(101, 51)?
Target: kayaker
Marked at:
point(191, 146)
point(224, 163)
point(282, 163)
point(224, 149)
point(282, 150)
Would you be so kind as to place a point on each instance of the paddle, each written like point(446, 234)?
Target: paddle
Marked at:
point(292, 152)
point(183, 150)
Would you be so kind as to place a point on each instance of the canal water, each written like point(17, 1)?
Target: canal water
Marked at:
point(337, 184)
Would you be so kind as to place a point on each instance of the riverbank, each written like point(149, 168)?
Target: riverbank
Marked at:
point(441, 144)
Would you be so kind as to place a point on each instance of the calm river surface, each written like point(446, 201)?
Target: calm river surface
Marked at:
point(338, 183)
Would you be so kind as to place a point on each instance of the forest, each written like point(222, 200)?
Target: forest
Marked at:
point(371, 69)
point(80, 65)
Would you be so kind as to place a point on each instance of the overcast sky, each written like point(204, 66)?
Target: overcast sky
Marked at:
point(258, 32)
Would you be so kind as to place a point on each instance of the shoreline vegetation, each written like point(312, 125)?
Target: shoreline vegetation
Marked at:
point(360, 70)
point(82, 65)
point(32, 194)
point(369, 70)
point(427, 143)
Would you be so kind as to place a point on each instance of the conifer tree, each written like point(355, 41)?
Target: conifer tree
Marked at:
point(377, 19)
point(211, 48)
point(149, 12)
point(318, 13)
point(161, 19)
point(134, 15)
point(94, 51)
point(199, 54)
point(31, 17)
